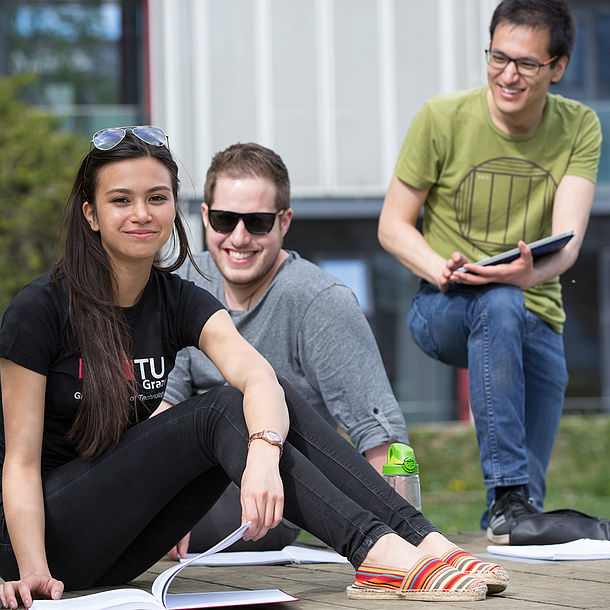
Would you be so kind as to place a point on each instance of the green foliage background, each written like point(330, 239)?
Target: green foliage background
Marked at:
point(37, 166)
point(453, 497)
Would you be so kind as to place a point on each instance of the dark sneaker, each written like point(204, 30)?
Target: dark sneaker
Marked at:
point(504, 515)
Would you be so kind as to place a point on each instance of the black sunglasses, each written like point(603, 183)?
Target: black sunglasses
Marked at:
point(257, 223)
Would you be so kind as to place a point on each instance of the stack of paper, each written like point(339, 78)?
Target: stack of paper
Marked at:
point(581, 550)
point(289, 554)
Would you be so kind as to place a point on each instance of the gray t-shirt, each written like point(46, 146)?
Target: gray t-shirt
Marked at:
point(309, 326)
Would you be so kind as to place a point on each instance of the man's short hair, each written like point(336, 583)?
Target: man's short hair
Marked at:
point(249, 160)
point(553, 15)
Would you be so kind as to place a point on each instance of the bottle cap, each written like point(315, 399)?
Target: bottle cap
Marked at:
point(401, 460)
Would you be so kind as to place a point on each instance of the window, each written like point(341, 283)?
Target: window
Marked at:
point(87, 58)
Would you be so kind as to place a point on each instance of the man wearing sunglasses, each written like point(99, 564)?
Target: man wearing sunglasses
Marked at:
point(495, 168)
point(305, 322)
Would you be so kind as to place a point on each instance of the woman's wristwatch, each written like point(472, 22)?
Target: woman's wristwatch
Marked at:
point(273, 438)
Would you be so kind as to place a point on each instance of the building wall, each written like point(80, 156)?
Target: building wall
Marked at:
point(331, 85)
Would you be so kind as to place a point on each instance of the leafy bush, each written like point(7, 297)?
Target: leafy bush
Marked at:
point(37, 166)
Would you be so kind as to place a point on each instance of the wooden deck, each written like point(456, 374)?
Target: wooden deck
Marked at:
point(533, 585)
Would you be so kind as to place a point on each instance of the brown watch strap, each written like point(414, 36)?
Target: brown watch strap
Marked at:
point(272, 437)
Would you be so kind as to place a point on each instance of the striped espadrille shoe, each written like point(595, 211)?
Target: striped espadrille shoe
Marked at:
point(495, 576)
point(428, 580)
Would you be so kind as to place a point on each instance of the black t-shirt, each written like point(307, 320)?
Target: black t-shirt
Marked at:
point(34, 334)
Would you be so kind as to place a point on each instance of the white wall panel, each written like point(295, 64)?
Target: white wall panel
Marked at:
point(296, 90)
point(332, 85)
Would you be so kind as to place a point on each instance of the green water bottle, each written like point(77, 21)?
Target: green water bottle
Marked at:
point(402, 473)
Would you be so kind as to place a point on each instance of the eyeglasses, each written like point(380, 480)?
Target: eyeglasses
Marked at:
point(105, 139)
point(525, 67)
point(257, 223)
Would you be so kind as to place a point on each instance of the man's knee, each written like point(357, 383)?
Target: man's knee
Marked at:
point(504, 305)
point(217, 404)
point(505, 296)
point(220, 395)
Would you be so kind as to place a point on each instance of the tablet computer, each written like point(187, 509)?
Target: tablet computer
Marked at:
point(539, 248)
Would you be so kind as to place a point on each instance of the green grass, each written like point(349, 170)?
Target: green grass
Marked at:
point(453, 496)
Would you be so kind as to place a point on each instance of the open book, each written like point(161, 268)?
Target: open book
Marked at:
point(136, 599)
point(289, 554)
point(539, 248)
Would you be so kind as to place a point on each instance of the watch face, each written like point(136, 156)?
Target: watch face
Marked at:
point(274, 436)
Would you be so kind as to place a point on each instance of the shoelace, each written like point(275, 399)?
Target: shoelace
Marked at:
point(522, 508)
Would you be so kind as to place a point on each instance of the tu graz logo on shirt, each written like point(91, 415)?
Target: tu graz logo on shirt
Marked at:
point(150, 372)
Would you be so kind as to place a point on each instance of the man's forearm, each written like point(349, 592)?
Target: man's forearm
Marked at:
point(399, 235)
point(378, 456)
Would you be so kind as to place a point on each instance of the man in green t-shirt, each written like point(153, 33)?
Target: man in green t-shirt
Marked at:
point(495, 168)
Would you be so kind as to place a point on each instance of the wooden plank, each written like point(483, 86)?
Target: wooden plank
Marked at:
point(546, 585)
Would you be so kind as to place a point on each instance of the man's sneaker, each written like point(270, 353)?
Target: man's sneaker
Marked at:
point(504, 515)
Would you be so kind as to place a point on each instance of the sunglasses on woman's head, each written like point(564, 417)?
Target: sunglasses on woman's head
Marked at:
point(257, 223)
point(105, 139)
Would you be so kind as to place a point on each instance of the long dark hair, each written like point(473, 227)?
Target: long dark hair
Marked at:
point(554, 15)
point(97, 324)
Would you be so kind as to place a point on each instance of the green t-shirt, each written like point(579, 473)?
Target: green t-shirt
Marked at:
point(488, 189)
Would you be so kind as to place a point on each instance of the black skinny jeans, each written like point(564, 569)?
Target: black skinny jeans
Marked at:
point(109, 520)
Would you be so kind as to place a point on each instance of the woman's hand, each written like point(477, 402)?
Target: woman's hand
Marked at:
point(262, 490)
point(28, 588)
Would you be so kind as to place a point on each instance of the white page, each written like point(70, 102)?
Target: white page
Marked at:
point(136, 599)
point(289, 554)
point(581, 550)
point(240, 558)
point(162, 582)
point(184, 601)
point(124, 599)
point(302, 554)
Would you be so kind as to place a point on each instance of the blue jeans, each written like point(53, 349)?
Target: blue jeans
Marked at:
point(517, 375)
point(109, 520)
